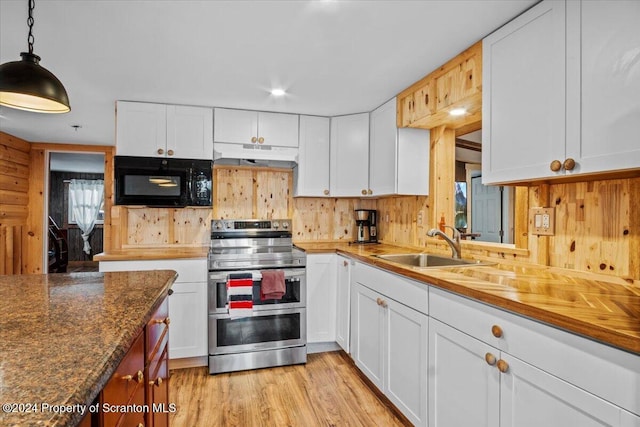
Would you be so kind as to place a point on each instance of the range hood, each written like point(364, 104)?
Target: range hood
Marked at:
point(255, 155)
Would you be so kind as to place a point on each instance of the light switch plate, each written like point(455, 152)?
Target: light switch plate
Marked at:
point(542, 221)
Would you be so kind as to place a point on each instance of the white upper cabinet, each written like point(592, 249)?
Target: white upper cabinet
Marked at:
point(190, 132)
point(349, 166)
point(255, 127)
point(523, 95)
point(159, 130)
point(398, 158)
point(311, 176)
point(603, 85)
point(560, 92)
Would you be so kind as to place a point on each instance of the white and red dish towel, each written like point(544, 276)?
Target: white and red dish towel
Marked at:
point(240, 295)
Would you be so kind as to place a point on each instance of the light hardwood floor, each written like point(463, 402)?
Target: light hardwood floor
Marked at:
point(327, 391)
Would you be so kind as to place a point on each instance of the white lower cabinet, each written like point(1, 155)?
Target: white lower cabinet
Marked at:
point(343, 302)
point(321, 298)
point(187, 304)
point(464, 390)
point(488, 367)
point(530, 397)
point(389, 339)
point(367, 333)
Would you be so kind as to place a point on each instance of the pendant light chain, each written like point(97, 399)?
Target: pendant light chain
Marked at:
point(30, 38)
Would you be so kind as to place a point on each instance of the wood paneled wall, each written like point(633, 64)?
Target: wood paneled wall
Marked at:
point(35, 236)
point(14, 201)
point(597, 226)
point(266, 193)
point(324, 219)
point(143, 227)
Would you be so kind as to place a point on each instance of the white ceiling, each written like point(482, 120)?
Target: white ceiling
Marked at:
point(333, 57)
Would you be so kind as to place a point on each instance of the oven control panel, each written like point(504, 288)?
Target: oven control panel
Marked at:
point(250, 225)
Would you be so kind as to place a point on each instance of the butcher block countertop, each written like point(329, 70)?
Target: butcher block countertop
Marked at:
point(142, 254)
point(606, 309)
point(63, 335)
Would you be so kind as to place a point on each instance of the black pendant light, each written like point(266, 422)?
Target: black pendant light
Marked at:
point(26, 85)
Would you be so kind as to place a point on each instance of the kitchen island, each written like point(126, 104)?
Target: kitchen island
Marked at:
point(62, 336)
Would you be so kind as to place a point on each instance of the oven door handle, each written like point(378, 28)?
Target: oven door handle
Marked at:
point(288, 273)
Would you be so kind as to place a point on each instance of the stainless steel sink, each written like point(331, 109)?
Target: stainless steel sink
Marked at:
point(429, 260)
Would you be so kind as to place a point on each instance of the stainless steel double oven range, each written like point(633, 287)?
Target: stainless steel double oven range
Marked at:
point(274, 333)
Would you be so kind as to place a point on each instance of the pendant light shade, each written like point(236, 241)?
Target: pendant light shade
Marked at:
point(26, 85)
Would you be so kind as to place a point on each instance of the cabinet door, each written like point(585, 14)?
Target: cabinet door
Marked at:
point(523, 103)
point(383, 149)
point(406, 360)
point(188, 313)
point(367, 333)
point(531, 397)
point(464, 390)
point(235, 126)
point(424, 100)
point(190, 132)
point(278, 129)
point(312, 172)
point(141, 129)
point(603, 84)
point(412, 177)
point(321, 298)
point(407, 110)
point(350, 155)
point(343, 302)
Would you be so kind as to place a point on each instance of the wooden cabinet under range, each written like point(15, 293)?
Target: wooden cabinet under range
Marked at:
point(141, 381)
point(160, 130)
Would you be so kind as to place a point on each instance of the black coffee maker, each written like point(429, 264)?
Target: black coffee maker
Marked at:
point(366, 226)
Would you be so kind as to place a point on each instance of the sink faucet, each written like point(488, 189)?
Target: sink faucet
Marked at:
point(454, 243)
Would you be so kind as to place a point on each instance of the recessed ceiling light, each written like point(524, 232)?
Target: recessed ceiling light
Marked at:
point(277, 92)
point(458, 112)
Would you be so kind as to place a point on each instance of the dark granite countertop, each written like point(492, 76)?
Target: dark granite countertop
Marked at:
point(63, 335)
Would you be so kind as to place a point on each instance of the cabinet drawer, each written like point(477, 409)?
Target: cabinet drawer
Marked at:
point(605, 371)
point(132, 419)
point(158, 391)
point(126, 381)
point(189, 270)
point(408, 292)
point(157, 330)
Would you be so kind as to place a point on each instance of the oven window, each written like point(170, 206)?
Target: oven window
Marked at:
point(258, 329)
point(152, 185)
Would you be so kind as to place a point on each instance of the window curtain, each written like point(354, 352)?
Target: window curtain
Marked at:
point(87, 197)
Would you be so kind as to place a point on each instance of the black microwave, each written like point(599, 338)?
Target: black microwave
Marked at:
point(153, 181)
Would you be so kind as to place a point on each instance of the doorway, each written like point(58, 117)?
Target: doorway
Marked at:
point(65, 243)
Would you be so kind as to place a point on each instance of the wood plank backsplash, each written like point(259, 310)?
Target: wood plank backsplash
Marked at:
point(597, 222)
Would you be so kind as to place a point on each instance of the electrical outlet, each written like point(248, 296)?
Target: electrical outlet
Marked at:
point(419, 217)
point(542, 221)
